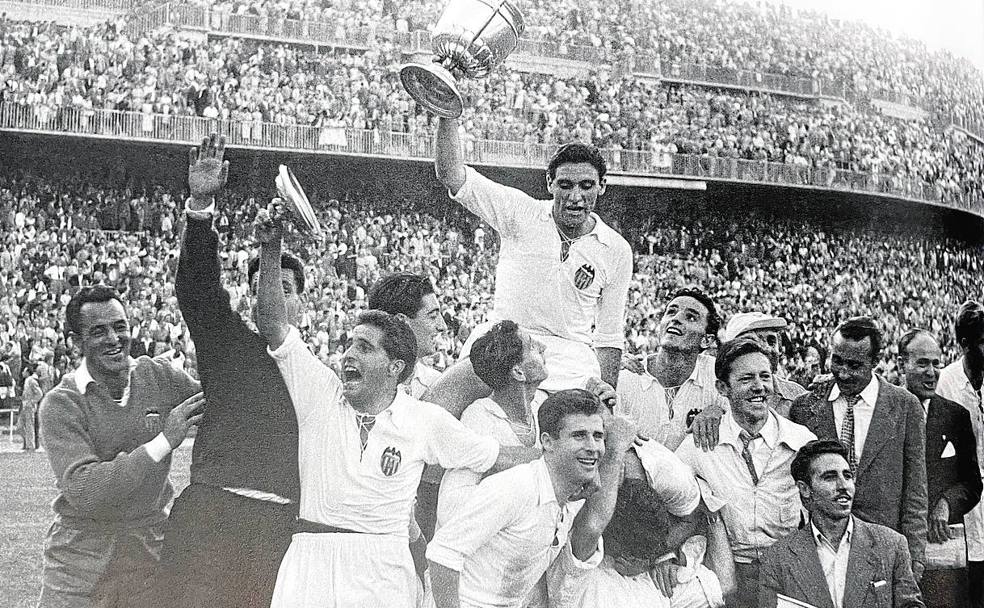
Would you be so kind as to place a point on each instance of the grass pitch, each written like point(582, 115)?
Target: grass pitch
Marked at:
point(26, 493)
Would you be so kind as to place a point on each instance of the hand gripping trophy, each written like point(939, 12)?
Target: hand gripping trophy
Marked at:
point(470, 38)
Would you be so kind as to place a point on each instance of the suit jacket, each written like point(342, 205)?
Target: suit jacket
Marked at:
point(956, 477)
point(792, 567)
point(891, 474)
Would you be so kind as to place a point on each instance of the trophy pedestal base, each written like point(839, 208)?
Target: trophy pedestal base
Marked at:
point(433, 87)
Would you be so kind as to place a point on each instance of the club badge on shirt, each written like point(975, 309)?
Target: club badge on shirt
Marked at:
point(389, 462)
point(153, 422)
point(584, 276)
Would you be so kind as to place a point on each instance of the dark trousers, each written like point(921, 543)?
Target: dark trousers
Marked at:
point(945, 588)
point(975, 572)
point(222, 550)
point(747, 583)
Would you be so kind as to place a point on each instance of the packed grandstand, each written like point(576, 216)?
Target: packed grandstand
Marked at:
point(256, 72)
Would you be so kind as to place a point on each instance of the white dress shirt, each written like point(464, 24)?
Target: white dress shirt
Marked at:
point(833, 560)
point(955, 386)
point(863, 412)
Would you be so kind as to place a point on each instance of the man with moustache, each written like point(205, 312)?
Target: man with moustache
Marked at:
point(747, 473)
point(952, 472)
point(961, 382)
point(837, 560)
point(883, 428)
point(678, 379)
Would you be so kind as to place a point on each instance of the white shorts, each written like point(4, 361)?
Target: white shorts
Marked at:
point(347, 571)
point(569, 364)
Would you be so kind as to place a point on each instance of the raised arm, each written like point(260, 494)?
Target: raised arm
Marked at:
point(457, 388)
point(450, 160)
point(592, 520)
point(271, 305)
point(198, 285)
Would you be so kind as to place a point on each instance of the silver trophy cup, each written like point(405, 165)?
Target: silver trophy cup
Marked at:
point(470, 38)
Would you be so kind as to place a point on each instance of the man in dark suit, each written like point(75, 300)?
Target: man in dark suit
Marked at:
point(883, 429)
point(837, 560)
point(954, 481)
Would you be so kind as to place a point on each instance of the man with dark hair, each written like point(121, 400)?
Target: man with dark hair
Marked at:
point(507, 532)
point(109, 429)
point(882, 427)
point(961, 382)
point(27, 417)
point(678, 379)
point(563, 274)
point(954, 477)
point(747, 474)
point(510, 361)
point(412, 297)
point(363, 444)
point(837, 560)
point(229, 529)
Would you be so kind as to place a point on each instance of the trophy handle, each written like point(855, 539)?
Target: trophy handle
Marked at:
point(433, 87)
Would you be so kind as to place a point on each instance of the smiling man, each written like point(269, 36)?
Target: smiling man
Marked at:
point(953, 476)
point(678, 378)
point(747, 474)
point(512, 526)
point(109, 428)
point(363, 443)
point(883, 428)
point(563, 274)
point(838, 560)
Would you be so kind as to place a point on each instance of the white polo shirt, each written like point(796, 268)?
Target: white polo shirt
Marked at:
point(955, 386)
point(505, 535)
point(581, 299)
point(369, 490)
point(643, 399)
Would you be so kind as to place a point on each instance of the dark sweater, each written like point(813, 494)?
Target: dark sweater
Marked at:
point(248, 435)
point(105, 478)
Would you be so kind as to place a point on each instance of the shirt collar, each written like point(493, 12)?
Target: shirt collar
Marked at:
point(869, 395)
point(399, 409)
point(83, 378)
point(777, 430)
point(819, 538)
point(698, 376)
point(601, 231)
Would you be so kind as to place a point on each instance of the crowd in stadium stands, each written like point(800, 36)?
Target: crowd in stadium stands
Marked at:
point(249, 83)
point(59, 236)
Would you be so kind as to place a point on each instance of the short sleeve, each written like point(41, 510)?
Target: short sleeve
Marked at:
point(453, 445)
point(673, 481)
point(309, 381)
point(567, 575)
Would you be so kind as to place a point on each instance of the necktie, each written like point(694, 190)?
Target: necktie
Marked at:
point(365, 422)
point(847, 431)
point(746, 454)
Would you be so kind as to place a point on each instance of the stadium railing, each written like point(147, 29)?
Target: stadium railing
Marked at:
point(113, 124)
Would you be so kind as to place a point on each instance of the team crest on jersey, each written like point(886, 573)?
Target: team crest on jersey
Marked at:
point(153, 422)
point(584, 276)
point(389, 463)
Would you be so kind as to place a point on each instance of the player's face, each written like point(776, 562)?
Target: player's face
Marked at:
point(105, 337)
point(367, 370)
point(427, 324)
point(750, 388)
point(533, 365)
point(684, 325)
point(575, 189)
point(973, 350)
point(579, 447)
point(292, 298)
point(922, 366)
point(851, 363)
point(830, 492)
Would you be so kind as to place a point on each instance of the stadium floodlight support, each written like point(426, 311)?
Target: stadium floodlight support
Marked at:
point(254, 135)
